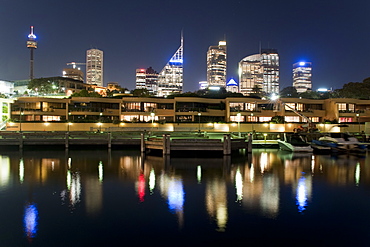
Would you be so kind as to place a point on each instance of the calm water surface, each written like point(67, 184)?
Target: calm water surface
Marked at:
point(120, 198)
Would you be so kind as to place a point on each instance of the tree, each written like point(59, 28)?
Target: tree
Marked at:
point(289, 92)
point(85, 93)
point(357, 90)
point(142, 92)
point(278, 119)
point(42, 86)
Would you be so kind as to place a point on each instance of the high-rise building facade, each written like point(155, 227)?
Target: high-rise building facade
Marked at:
point(75, 74)
point(260, 72)
point(94, 67)
point(170, 79)
point(216, 65)
point(302, 76)
point(147, 79)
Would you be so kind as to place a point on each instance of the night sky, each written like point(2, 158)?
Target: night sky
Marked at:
point(333, 35)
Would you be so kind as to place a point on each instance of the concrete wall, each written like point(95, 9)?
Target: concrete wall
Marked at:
point(209, 127)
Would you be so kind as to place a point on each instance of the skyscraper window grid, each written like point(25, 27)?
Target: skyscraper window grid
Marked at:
point(94, 67)
point(216, 65)
point(302, 76)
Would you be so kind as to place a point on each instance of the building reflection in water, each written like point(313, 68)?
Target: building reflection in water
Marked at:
point(171, 187)
point(151, 181)
point(73, 183)
point(216, 201)
point(4, 172)
point(30, 220)
point(21, 170)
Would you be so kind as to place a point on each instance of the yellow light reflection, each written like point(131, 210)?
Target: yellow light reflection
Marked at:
point(239, 185)
point(100, 168)
point(357, 174)
point(4, 171)
point(199, 174)
point(21, 171)
point(251, 174)
point(263, 161)
point(151, 181)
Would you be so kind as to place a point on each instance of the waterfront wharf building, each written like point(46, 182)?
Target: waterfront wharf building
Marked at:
point(302, 76)
point(216, 65)
point(261, 71)
point(170, 79)
point(94, 67)
point(187, 110)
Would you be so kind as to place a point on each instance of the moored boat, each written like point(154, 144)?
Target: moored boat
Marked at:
point(342, 142)
point(294, 143)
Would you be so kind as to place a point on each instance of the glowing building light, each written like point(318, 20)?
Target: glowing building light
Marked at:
point(30, 220)
point(251, 174)
point(239, 185)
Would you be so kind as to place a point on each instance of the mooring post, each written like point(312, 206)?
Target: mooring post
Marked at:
point(109, 140)
point(166, 144)
point(21, 140)
point(227, 145)
point(142, 143)
point(249, 145)
point(66, 137)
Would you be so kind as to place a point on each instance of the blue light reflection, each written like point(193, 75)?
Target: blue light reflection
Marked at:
point(30, 220)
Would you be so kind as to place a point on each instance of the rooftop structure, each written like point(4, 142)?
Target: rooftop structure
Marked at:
point(170, 79)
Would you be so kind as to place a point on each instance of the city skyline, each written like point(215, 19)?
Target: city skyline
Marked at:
point(145, 34)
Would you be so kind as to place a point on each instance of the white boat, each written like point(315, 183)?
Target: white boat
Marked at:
point(294, 143)
point(344, 142)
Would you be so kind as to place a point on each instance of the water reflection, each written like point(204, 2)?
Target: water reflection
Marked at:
point(264, 184)
point(30, 220)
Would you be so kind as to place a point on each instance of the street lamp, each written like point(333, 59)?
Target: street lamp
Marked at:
point(252, 121)
point(68, 126)
point(199, 114)
point(152, 115)
point(20, 121)
point(238, 119)
point(358, 120)
point(99, 124)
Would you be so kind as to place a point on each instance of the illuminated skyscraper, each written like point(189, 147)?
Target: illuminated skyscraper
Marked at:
point(259, 72)
point(31, 44)
point(170, 79)
point(147, 79)
point(271, 73)
point(94, 67)
point(302, 76)
point(216, 65)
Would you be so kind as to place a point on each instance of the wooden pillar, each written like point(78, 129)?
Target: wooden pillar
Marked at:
point(249, 145)
point(142, 143)
point(227, 145)
point(166, 144)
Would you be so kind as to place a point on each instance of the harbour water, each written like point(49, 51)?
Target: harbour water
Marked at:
point(121, 198)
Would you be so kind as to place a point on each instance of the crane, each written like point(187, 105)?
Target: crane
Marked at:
point(74, 64)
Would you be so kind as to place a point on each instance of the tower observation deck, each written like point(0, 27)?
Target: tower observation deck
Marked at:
point(31, 44)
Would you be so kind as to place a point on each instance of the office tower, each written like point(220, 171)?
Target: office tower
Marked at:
point(232, 86)
point(75, 74)
point(31, 44)
point(170, 79)
point(94, 67)
point(140, 78)
point(216, 65)
point(302, 76)
point(259, 72)
point(147, 79)
point(203, 85)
